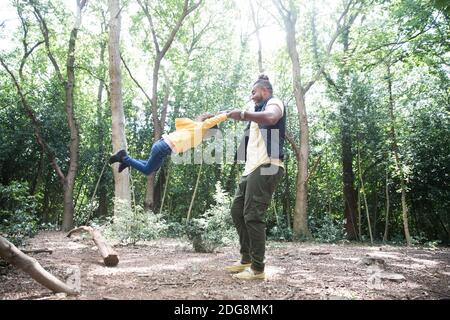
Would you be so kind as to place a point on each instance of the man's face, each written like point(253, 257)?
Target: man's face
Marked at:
point(257, 94)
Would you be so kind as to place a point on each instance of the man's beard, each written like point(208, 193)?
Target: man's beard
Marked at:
point(258, 100)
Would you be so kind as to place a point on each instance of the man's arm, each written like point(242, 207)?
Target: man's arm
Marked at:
point(270, 116)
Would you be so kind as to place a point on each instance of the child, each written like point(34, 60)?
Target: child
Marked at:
point(188, 134)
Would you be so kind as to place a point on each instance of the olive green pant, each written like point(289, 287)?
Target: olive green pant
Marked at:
point(252, 198)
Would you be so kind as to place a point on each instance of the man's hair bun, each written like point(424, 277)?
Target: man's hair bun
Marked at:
point(263, 81)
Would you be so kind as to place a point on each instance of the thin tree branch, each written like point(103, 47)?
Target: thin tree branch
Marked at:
point(25, 56)
point(134, 79)
point(291, 140)
point(45, 33)
point(332, 83)
point(398, 43)
point(339, 30)
point(152, 27)
point(165, 103)
point(185, 13)
point(311, 173)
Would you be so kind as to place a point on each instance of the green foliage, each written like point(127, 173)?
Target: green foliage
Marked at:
point(280, 233)
point(210, 66)
point(327, 229)
point(214, 227)
point(85, 212)
point(175, 229)
point(423, 240)
point(132, 225)
point(18, 219)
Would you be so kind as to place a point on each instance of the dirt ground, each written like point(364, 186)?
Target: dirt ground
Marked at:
point(170, 269)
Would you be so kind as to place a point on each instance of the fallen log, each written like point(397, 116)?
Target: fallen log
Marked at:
point(318, 253)
point(44, 250)
point(17, 258)
point(110, 256)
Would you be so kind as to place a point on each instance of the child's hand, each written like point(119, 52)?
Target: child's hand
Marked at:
point(204, 116)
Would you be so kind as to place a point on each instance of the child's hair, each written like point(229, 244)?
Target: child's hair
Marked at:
point(263, 81)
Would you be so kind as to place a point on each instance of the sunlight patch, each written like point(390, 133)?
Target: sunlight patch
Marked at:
point(273, 272)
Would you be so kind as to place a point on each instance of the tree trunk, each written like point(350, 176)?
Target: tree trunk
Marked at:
point(165, 190)
point(359, 215)
point(67, 223)
point(300, 227)
point(159, 186)
point(69, 181)
point(347, 153)
point(46, 197)
point(14, 256)
point(398, 164)
point(386, 226)
point(375, 211)
point(121, 180)
point(364, 197)
point(348, 176)
point(38, 176)
point(286, 207)
point(149, 201)
point(102, 209)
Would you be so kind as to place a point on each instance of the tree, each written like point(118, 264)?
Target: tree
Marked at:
point(288, 13)
point(119, 140)
point(160, 52)
point(396, 152)
point(340, 91)
point(67, 180)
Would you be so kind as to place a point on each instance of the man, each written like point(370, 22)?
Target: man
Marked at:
point(264, 168)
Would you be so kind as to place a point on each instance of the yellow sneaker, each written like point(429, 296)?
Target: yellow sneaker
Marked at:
point(237, 267)
point(250, 274)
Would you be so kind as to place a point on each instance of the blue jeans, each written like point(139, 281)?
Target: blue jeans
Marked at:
point(160, 150)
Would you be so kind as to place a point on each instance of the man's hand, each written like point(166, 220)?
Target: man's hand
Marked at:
point(234, 114)
point(270, 116)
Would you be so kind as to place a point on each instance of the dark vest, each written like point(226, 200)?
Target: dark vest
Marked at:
point(274, 141)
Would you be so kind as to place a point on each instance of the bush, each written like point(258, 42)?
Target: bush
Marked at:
point(85, 213)
point(17, 212)
point(132, 225)
point(215, 227)
point(326, 229)
point(280, 233)
point(422, 240)
point(175, 229)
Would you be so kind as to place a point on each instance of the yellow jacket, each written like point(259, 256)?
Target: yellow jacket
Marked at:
point(190, 133)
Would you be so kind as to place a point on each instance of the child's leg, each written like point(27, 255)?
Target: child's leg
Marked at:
point(143, 162)
point(160, 150)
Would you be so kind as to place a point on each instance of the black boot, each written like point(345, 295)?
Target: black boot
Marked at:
point(118, 157)
point(123, 166)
